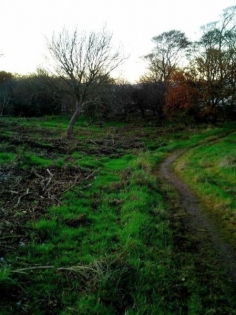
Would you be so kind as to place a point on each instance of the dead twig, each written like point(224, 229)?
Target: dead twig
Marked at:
point(36, 174)
point(19, 199)
point(75, 183)
point(76, 269)
point(10, 191)
point(49, 172)
point(10, 236)
point(48, 183)
point(22, 270)
point(90, 175)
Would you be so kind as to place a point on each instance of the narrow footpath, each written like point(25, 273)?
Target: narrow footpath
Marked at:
point(196, 220)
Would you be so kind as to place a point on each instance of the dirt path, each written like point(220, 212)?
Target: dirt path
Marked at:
point(196, 220)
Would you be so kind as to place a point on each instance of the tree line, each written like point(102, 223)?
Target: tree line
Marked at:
point(183, 78)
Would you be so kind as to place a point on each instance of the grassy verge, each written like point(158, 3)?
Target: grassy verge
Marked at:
point(110, 244)
point(210, 170)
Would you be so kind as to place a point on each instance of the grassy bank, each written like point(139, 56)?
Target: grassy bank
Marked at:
point(210, 169)
point(91, 230)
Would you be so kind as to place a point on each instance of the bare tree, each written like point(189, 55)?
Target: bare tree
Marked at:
point(165, 56)
point(84, 61)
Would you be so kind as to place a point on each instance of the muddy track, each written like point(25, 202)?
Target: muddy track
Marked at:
point(196, 221)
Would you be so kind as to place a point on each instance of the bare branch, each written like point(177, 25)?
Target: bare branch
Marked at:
point(84, 61)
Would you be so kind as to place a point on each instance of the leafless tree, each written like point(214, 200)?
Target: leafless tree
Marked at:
point(166, 54)
point(84, 61)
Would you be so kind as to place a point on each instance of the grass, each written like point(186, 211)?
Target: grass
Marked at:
point(110, 246)
point(6, 157)
point(211, 168)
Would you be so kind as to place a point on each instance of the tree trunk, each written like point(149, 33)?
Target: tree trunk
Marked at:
point(78, 109)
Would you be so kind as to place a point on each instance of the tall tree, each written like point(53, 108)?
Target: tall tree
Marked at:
point(165, 57)
point(84, 61)
point(215, 58)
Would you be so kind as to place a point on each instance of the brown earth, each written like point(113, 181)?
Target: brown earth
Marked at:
point(196, 221)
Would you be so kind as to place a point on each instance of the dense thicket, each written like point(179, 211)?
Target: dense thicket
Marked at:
point(38, 95)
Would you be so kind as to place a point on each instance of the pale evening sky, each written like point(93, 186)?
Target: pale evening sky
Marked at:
point(24, 25)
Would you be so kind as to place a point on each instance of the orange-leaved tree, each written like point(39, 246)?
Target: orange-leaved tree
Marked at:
point(181, 95)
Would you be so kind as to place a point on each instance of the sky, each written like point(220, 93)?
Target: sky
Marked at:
point(25, 25)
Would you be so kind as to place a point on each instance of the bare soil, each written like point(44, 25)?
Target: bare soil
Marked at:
point(196, 221)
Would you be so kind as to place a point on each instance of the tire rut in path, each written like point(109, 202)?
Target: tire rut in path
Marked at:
point(196, 220)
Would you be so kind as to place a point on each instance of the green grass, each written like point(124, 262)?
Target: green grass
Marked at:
point(6, 157)
point(211, 168)
point(110, 246)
